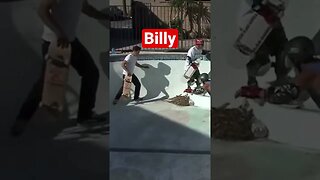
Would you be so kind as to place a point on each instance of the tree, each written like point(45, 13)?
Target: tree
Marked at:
point(202, 15)
point(195, 12)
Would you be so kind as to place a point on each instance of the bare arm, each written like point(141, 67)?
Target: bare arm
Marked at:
point(45, 15)
point(124, 66)
point(140, 66)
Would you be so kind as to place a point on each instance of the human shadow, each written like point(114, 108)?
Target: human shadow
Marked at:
point(155, 87)
point(126, 33)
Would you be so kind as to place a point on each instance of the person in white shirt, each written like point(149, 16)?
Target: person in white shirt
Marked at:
point(193, 54)
point(272, 46)
point(128, 65)
point(60, 18)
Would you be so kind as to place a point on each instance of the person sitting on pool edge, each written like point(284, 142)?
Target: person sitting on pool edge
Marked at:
point(128, 66)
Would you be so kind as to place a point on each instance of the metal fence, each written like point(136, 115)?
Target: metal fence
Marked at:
point(127, 33)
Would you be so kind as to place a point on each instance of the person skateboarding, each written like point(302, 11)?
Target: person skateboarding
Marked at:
point(60, 18)
point(128, 66)
point(194, 53)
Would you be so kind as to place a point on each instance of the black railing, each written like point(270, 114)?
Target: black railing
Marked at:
point(127, 33)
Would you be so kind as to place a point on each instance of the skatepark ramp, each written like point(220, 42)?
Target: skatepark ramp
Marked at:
point(163, 79)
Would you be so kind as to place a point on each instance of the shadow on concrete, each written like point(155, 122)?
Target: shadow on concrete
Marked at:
point(262, 160)
point(155, 88)
point(50, 147)
point(154, 145)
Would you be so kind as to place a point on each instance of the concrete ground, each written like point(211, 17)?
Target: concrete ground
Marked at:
point(154, 139)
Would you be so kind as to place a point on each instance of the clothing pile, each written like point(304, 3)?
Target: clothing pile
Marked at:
point(181, 100)
point(236, 124)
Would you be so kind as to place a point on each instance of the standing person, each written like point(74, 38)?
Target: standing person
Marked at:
point(128, 66)
point(193, 54)
point(60, 18)
point(272, 46)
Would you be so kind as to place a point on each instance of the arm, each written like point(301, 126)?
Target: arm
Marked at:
point(189, 59)
point(141, 66)
point(45, 15)
point(92, 12)
point(124, 66)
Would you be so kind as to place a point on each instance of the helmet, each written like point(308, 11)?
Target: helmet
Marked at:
point(204, 77)
point(199, 42)
point(300, 49)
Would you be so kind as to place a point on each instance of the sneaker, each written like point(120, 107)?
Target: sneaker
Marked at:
point(188, 90)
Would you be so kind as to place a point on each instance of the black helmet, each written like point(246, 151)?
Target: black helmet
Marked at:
point(204, 77)
point(300, 49)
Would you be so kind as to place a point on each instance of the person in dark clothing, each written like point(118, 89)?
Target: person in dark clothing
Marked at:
point(272, 46)
point(60, 20)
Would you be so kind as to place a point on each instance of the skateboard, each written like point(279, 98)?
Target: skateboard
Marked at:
point(56, 77)
point(256, 29)
point(127, 86)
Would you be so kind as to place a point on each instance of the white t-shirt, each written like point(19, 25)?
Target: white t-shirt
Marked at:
point(67, 14)
point(131, 63)
point(194, 53)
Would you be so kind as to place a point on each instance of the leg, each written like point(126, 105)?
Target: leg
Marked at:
point(253, 66)
point(137, 85)
point(196, 77)
point(31, 104)
point(193, 78)
point(118, 96)
point(84, 64)
point(277, 42)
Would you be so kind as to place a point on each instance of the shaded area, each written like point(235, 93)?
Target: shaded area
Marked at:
point(263, 160)
point(127, 33)
point(42, 150)
point(160, 83)
point(160, 126)
point(47, 150)
point(177, 166)
point(157, 143)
